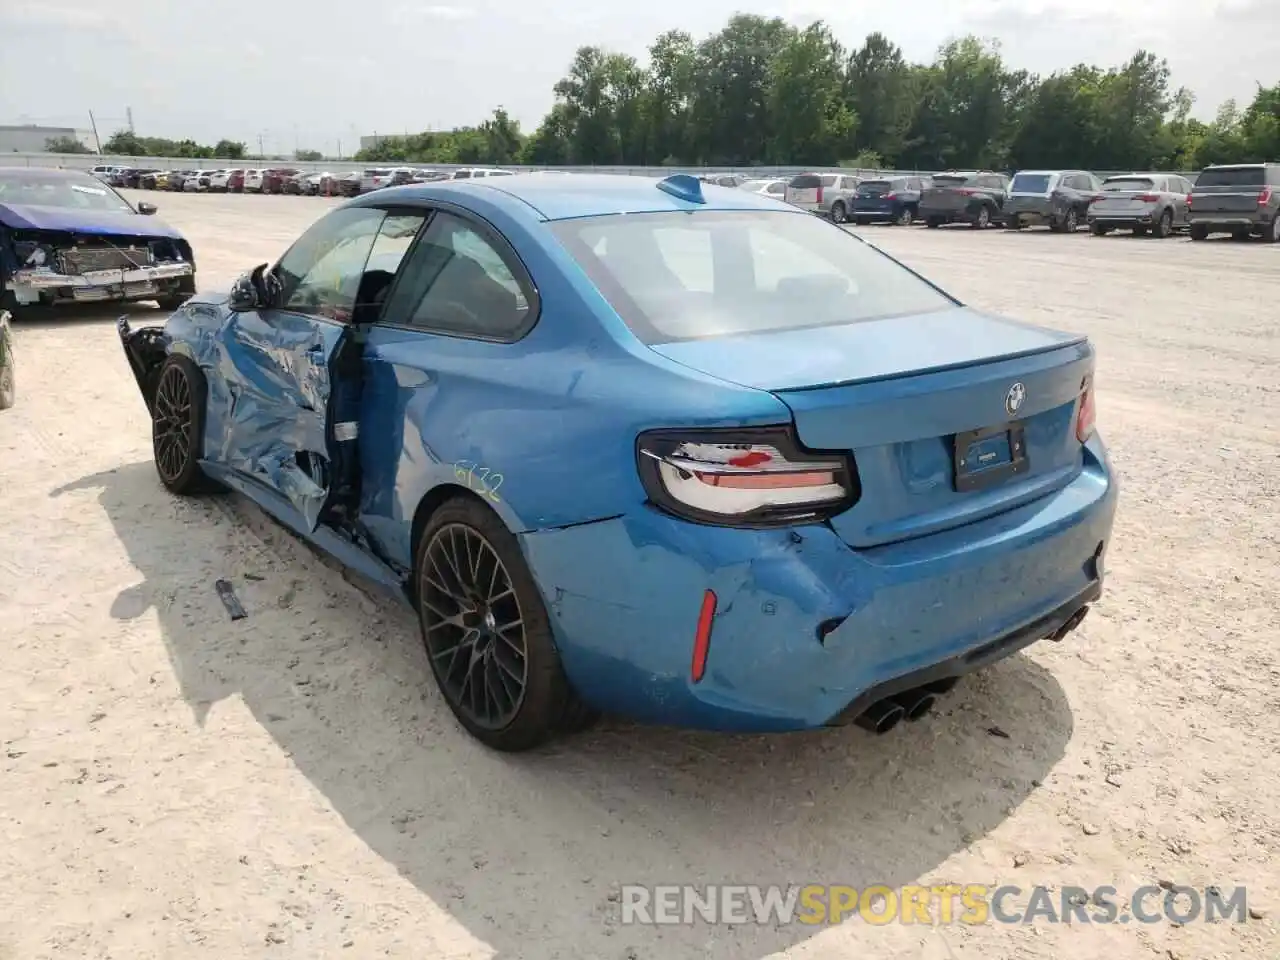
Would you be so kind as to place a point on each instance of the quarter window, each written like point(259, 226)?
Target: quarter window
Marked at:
point(458, 282)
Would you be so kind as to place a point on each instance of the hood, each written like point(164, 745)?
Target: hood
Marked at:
point(18, 216)
point(864, 351)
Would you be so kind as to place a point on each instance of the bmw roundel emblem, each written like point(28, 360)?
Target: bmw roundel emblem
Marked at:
point(1013, 399)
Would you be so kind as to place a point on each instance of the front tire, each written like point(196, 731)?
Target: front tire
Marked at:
point(1164, 226)
point(487, 632)
point(177, 427)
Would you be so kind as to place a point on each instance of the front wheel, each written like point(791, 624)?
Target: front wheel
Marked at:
point(177, 427)
point(487, 633)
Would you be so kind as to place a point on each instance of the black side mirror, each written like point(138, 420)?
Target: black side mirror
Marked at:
point(147, 209)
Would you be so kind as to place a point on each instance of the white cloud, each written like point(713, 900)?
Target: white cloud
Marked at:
point(409, 13)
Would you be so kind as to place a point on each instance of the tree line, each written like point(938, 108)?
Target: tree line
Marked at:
point(761, 91)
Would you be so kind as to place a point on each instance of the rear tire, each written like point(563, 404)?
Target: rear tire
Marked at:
point(1273, 235)
point(983, 219)
point(838, 212)
point(510, 692)
point(933, 223)
point(1164, 226)
point(1198, 231)
point(1012, 223)
point(177, 427)
point(1098, 230)
point(1239, 235)
point(1071, 222)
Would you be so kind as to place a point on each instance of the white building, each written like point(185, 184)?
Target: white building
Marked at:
point(31, 138)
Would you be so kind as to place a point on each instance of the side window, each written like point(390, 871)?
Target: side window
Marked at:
point(848, 183)
point(320, 274)
point(829, 181)
point(457, 282)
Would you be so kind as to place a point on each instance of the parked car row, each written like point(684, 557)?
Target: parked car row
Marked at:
point(281, 180)
point(1240, 199)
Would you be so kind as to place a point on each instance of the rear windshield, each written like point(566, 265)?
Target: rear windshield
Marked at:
point(874, 188)
point(1031, 183)
point(1127, 183)
point(1233, 177)
point(462, 174)
point(943, 180)
point(682, 276)
point(806, 181)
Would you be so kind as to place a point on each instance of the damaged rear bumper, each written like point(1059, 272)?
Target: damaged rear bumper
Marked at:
point(804, 626)
point(145, 348)
point(43, 285)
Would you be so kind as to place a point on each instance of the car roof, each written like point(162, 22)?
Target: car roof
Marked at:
point(587, 195)
point(44, 173)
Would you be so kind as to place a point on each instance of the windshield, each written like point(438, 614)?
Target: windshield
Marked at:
point(1232, 177)
point(79, 193)
point(1031, 183)
point(684, 276)
point(1127, 183)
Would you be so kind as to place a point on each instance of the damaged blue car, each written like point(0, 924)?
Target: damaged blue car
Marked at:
point(654, 447)
point(67, 237)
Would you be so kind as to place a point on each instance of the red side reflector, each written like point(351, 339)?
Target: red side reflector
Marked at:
point(702, 639)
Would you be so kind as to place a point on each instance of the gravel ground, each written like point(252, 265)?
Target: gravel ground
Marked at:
point(290, 785)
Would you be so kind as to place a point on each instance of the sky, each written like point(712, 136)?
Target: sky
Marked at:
point(316, 74)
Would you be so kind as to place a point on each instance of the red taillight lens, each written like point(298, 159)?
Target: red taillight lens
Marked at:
point(1148, 197)
point(1264, 196)
point(1086, 415)
point(1188, 201)
point(891, 196)
point(819, 194)
point(757, 477)
point(965, 191)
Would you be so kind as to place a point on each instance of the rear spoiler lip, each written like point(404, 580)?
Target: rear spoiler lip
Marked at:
point(1065, 343)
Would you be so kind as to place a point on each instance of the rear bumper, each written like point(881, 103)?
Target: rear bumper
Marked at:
point(35, 286)
point(870, 213)
point(806, 628)
point(1229, 221)
point(1030, 211)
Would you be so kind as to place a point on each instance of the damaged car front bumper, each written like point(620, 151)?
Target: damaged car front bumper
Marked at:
point(44, 285)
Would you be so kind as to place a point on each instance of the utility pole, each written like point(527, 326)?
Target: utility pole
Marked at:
point(261, 151)
point(97, 139)
point(128, 112)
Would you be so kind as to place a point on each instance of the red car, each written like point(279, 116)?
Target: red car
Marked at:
point(273, 179)
point(235, 181)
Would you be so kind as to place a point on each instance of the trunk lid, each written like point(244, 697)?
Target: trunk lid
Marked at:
point(1228, 190)
point(914, 396)
point(946, 196)
point(1125, 200)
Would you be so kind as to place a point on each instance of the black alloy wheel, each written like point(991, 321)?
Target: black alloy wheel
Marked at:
point(474, 627)
point(177, 426)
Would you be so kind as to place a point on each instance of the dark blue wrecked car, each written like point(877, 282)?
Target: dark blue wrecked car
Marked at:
point(67, 237)
point(670, 450)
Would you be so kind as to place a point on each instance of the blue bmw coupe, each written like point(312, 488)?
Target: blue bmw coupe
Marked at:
point(671, 450)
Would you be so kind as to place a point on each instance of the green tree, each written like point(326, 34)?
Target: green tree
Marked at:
point(811, 121)
point(65, 145)
point(304, 155)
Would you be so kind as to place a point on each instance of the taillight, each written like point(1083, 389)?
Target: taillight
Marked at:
point(819, 194)
point(890, 196)
point(1264, 196)
point(1188, 201)
point(1148, 197)
point(1087, 414)
point(743, 477)
point(965, 191)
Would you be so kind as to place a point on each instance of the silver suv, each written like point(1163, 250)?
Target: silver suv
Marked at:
point(828, 194)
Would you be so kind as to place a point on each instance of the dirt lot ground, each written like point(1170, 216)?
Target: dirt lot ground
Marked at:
point(290, 785)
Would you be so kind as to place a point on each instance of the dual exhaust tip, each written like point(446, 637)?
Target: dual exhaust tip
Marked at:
point(883, 715)
point(910, 705)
